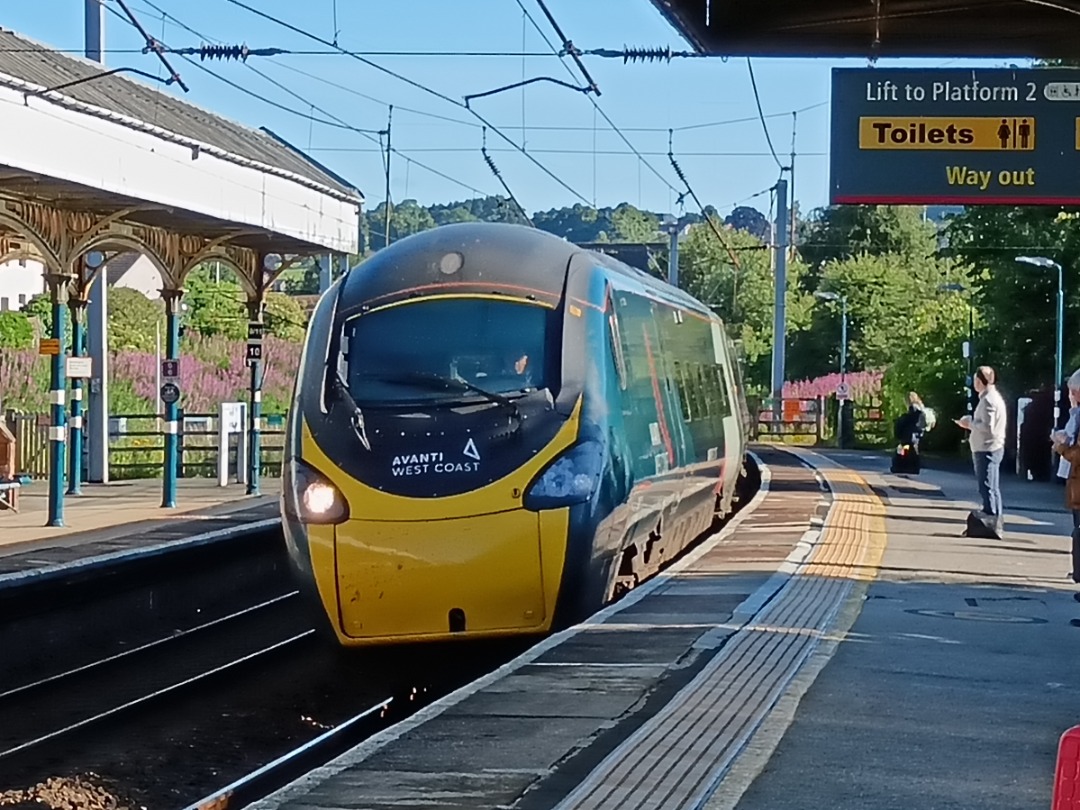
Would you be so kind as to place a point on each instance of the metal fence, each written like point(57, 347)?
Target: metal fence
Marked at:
point(137, 445)
point(813, 421)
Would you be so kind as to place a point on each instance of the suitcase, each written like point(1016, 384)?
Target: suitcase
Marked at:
point(906, 461)
point(985, 526)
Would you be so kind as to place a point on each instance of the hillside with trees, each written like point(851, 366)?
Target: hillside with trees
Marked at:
point(912, 282)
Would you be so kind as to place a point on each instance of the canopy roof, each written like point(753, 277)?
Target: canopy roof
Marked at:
point(893, 28)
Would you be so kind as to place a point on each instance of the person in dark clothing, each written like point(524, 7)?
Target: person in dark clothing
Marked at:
point(909, 432)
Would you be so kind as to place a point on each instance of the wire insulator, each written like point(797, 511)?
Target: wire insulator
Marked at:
point(646, 54)
point(224, 53)
point(678, 169)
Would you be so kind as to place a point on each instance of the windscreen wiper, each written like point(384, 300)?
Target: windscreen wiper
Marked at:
point(357, 418)
point(432, 378)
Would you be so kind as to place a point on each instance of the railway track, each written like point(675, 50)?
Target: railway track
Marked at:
point(172, 679)
point(232, 697)
point(73, 700)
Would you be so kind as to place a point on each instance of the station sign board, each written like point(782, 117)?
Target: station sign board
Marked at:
point(955, 137)
point(81, 368)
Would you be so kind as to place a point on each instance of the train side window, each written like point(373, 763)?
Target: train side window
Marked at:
point(708, 389)
point(617, 346)
point(684, 398)
point(721, 384)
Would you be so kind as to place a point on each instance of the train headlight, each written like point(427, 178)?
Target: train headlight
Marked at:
point(310, 497)
point(572, 478)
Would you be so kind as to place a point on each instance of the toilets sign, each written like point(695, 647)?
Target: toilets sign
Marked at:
point(955, 137)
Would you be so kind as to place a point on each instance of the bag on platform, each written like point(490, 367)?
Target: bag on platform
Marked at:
point(985, 526)
point(906, 461)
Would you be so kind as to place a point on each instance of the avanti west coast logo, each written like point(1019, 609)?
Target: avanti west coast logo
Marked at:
point(436, 463)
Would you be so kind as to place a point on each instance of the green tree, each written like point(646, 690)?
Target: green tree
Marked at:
point(133, 320)
point(844, 231)
point(630, 224)
point(284, 317)
point(932, 364)
point(749, 219)
point(215, 308)
point(406, 218)
point(743, 296)
point(40, 307)
point(1017, 302)
point(16, 331)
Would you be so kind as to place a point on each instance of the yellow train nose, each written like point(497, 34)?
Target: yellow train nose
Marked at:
point(410, 580)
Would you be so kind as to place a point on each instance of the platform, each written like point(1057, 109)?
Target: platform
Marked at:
point(839, 644)
point(126, 516)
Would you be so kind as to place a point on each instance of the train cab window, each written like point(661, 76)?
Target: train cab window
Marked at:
point(435, 349)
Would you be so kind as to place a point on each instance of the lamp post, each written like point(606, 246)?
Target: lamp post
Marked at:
point(1049, 264)
point(831, 296)
point(969, 347)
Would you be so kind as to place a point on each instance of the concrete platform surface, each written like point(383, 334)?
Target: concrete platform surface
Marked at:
point(647, 703)
point(841, 645)
point(124, 515)
point(957, 678)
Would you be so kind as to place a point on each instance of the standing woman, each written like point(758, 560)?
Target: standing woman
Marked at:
point(1066, 446)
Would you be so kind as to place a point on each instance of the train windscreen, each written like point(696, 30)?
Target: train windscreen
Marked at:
point(446, 349)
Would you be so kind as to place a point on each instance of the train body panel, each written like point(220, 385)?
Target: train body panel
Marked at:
point(465, 494)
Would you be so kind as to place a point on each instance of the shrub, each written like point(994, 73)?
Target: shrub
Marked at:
point(16, 331)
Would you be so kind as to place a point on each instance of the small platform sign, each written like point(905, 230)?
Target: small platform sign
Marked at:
point(81, 368)
point(843, 391)
point(170, 393)
point(256, 330)
point(254, 351)
point(49, 346)
point(170, 369)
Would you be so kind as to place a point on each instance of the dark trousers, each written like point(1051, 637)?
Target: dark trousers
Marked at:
point(1076, 545)
point(988, 479)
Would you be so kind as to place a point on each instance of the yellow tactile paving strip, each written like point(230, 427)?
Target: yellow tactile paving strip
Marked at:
point(679, 756)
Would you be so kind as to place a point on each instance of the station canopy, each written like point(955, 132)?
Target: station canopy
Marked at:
point(886, 28)
point(106, 143)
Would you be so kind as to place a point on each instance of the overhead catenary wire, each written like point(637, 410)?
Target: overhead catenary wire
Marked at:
point(690, 190)
point(595, 103)
point(313, 76)
point(761, 112)
point(419, 86)
point(572, 150)
point(568, 47)
point(152, 45)
point(365, 133)
point(498, 176)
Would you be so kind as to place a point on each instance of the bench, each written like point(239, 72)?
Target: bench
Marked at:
point(9, 495)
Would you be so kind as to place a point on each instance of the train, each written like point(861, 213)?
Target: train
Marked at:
point(495, 432)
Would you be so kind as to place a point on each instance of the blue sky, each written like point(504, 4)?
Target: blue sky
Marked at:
point(725, 164)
